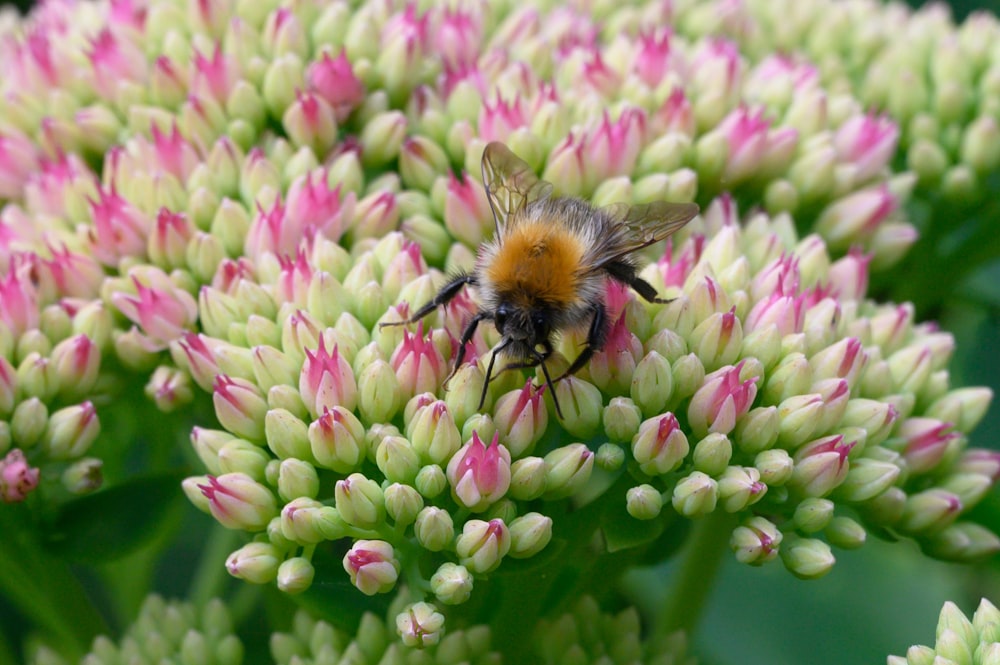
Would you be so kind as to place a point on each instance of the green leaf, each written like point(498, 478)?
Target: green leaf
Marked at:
point(622, 531)
point(111, 523)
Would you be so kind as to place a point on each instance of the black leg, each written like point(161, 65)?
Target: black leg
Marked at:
point(626, 274)
point(595, 340)
point(489, 372)
point(540, 358)
point(443, 297)
point(467, 334)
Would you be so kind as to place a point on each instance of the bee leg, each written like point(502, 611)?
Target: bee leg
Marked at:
point(443, 297)
point(467, 334)
point(595, 340)
point(540, 360)
point(625, 273)
point(489, 372)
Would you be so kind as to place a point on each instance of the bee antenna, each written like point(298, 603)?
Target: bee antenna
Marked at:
point(548, 382)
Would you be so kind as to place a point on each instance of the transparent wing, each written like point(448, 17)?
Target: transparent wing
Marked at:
point(638, 226)
point(510, 183)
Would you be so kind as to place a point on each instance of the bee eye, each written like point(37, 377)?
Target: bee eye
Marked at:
point(500, 317)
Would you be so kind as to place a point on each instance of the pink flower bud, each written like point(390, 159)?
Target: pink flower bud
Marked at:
point(70, 274)
point(849, 275)
point(19, 307)
point(467, 213)
point(18, 161)
point(326, 380)
point(927, 442)
point(75, 362)
point(674, 115)
point(310, 122)
point(653, 59)
point(239, 406)
point(722, 399)
point(746, 133)
point(459, 36)
point(313, 207)
point(372, 566)
point(522, 417)
point(334, 80)
point(17, 478)
point(821, 465)
point(482, 545)
point(119, 230)
point(856, 216)
point(164, 312)
point(238, 502)
point(479, 475)
point(867, 142)
point(614, 365)
point(845, 359)
point(419, 365)
point(499, 118)
point(660, 445)
point(114, 60)
point(784, 312)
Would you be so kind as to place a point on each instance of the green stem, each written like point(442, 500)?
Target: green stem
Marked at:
point(701, 558)
point(210, 576)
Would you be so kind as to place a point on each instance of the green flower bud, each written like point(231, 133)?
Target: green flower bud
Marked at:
point(431, 481)
point(712, 454)
point(963, 542)
point(965, 407)
point(643, 502)
point(695, 495)
point(287, 436)
point(297, 478)
point(70, 431)
point(421, 162)
point(756, 541)
point(758, 430)
point(378, 392)
point(83, 476)
point(420, 625)
point(740, 487)
point(382, 137)
point(799, 416)
point(775, 466)
point(360, 501)
point(568, 469)
point(402, 503)
point(255, 562)
point(652, 384)
point(433, 433)
point(434, 528)
point(621, 419)
point(792, 377)
point(581, 403)
point(29, 421)
point(482, 545)
point(929, 511)
point(452, 584)
point(529, 534)
point(528, 478)
point(306, 521)
point(660, 445)
point(689, 375)
point(813, 514)
point(807, 558)
point(845, 533)
point(610, 457)
point(239, 455)
point(887, 507)
point(866, 479)
point(397, 459)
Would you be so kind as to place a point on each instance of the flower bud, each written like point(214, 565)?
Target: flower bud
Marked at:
point(420, 625)
point(431, 481)
point(236, 501)
point(336, 440)
point(621, 419)
point(965, 407)
point(239, 455)
point(306, 521)
point(402, 503)
point(434, 528)
point(529, 534)
point(286, 435)
point(695, 495)
point(820, 466)
point(17, 478)
point(397, 459)
point(360, 501)
point(963, 542)
point(239, 406)
point(652, 384)
point(255, 562)
point(433, 433)
point(712, 454)
point(722, 399)
point(756, 541)
point(775, 466)
point(660, 445)
point(740, 487)
point(29, 422)
point(866, 479)
point(372, 566)
point(452, 584)
point(929, 511)
point(528, 477)
point(807, 558)
point(758, 430)
point(71, 431)
point(568, 469)
point(297, 478)
point(643, 502)
point(482, 545)
point(479, 475)
point(845, 533)
point(812, 514)
point(581, 403)
point(521, 417)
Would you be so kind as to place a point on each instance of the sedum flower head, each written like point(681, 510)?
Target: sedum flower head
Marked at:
point(958, 638)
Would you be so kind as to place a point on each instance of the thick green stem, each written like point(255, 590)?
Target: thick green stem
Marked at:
point(700, 562)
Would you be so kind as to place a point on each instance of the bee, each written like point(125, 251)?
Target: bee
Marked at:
point(545, 269)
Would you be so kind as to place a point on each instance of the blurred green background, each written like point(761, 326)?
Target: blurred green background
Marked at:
point(876, 601)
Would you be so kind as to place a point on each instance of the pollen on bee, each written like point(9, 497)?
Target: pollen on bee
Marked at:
point(539, 261)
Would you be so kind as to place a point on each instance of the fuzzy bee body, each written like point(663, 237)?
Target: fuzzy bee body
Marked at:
point(546, 267)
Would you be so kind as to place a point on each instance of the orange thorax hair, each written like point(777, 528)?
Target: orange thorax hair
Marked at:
point(539, 261)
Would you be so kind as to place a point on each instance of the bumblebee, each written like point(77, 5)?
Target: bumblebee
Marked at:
point(546, 267)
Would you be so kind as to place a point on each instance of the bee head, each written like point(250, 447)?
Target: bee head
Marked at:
point(521, 324)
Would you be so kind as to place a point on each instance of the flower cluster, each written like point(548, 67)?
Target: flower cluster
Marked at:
point(230, 198)
point(317, 642)
point(959, 640)
point(164, 631)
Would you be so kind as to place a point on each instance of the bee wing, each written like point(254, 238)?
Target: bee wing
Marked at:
point(510, 183)
point(638, 226)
